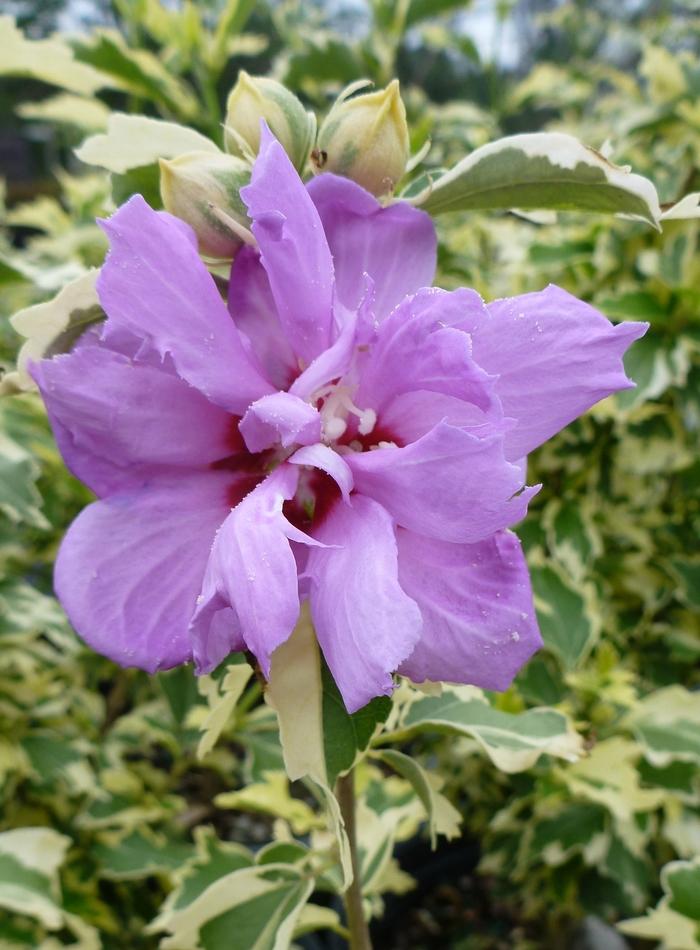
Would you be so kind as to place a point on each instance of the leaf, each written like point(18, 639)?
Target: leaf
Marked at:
point(566, 615)
point(681, 880)
point(320, 738)
point(674, 920)
point(513, 741)
point(19, 498)
point(608, 777)
point(259, 904)
point(667, 724)
point(687, 207)
point(29, 862)
point(51, 60)
point(137, 71)
point(230, 22)
point(135, 140)
point(578, 828)
point(541, 170)
point(272, 797)
point(143, 180)
point(138, 855)
point(313, 917)
point(68, 109)
point(52, 327)
point(443, 817)
point(221, 700)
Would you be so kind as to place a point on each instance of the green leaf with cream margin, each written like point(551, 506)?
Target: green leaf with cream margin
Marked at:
point(260, 904)
point(675, 921)
point(443, 817)
point(53, 326)
point(667, 725)
point(29, 862)
point(513, 741)
point(133, 141)
point(221, 701)
point(50, 60)
point(541, 170)
point(320, 740)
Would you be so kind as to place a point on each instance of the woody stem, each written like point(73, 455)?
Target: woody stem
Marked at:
point(357, 925)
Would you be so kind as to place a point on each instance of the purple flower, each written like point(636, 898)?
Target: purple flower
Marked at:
point(340, 434)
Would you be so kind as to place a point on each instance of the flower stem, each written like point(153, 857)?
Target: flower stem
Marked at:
point(357, 925)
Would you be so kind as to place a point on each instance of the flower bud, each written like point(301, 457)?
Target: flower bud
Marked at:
point(366, 138)
point(203, 189)
point(254, 98)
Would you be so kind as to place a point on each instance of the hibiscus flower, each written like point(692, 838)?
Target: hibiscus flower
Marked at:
point(341, 433)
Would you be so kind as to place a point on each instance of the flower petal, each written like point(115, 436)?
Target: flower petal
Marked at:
point(556, 357)
point(293, 248)
point(395, 245)
point(131, 566)
point(252, 306)
point(417, 348)
point(154, 285)
point(116, 421)
point(253, 571)
point(450, 484)
point(280, 418)
point(323, 457)
point(331, 363)
point(479, 623)
point(365, 623)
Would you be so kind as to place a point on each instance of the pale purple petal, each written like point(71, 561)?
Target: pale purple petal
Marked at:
point(116, 421)
point(332, 363)
point(418, 348)
point(252, 306)
point(413, 414)
point(154, 285)
point(293, 248)
point(395, 245)
point(556, 357)
point(365, 623)
point(280, 419)
point(253, 571)
point(131, 566)
point(324, 457)
point(479, 623)
point(451, 484)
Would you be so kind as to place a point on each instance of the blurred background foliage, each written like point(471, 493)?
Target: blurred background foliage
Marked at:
point(106, 760)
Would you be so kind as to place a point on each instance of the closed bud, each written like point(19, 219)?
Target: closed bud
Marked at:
point(366, 138)
point(203, 189)
point(254, 98)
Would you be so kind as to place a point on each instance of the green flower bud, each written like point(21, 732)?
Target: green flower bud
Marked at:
point(254, 98)
point(366, 138)
point(203, 188)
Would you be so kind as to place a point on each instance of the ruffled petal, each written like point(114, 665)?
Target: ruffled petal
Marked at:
point(131, 566)
point(555, 356)
point(327, 460)
point(280, 419)
point(331, 363)
point(451, 484)
point(413, 414)
point(117, 422)
point(154, 285)
point(418, 348)
point(253, 572)
point(479, 623)
point(366, 625)
point(252, 306)
point(395, 245)
point(293, 248)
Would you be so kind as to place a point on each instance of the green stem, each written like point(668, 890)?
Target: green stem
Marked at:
point(357, 925)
